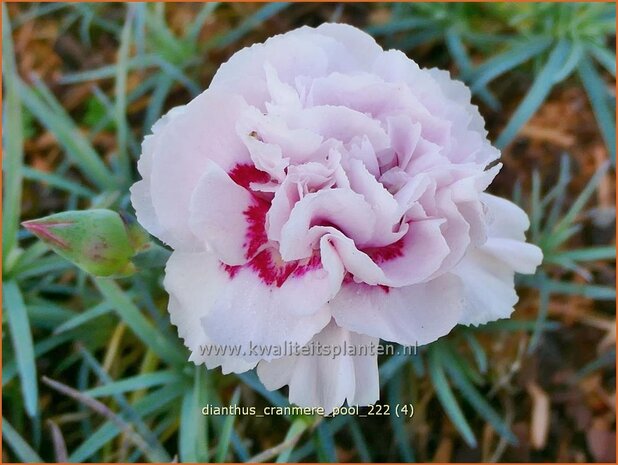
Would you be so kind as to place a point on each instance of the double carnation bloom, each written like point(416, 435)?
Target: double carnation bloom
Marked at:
point(323, 190)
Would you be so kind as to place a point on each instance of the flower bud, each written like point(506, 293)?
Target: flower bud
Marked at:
point(98, 241)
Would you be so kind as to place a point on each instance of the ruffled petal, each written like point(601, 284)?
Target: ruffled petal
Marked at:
point(411, 315)
point(488, 271)
point(219, 209)
point(328, 380)
point(141, 196)
point(203, 133)
point(194, 281)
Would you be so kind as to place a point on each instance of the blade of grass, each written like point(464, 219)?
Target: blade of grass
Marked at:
point(21, 336)
point(596, 89)
point(13, 155)
point(20, 447)
point(147, 405)
point(605, 57)
point(401, 436)
point(142, 328)
point(506, 61)
point(193, 432)
point(134, 383)
point(536, 95)
point(447, 398)
point(225, 436)
point(476, 400)
point(264, 13)
point(56, 181)
point(325, 443)
point(120, 91)
point(77, 147)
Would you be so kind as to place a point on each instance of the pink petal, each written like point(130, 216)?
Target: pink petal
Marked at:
point(324, 380)
point(410, 315)
point(346, 210)
point(194, 282)
point(202, 134)
point(219, 215)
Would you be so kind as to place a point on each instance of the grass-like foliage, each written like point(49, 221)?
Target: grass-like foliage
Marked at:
point(93, 369)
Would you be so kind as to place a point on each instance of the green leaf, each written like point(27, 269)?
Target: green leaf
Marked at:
point(143, 329)
point(20, 447)
point(398, 423)
point(135, 383)
point(56, 181)
point(266, 12)
point(447, 398)
point(21, 336)
point(506, 61)
point(325, 443)
point(77, 146)
point(156, 401)
point(225, 436)
point(476, 400)
point(88, 315)
point(566, 222)
point(120, 91)
point(597, 93)
point(13, 155)
point(536, 95)
point(297, 428)
point(193, 433)
point(587, 254)
point(585, 290)
point(605, 57)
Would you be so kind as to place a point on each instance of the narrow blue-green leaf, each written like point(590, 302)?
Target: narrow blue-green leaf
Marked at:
point(13, 155)
point(297, 428)
point(84, 317)
point(589, 254)
point(266, 12)
point(605, 57)
point(458, 52)
point(536, 95)
point(157, 101)
point(447, 398)
point(77, 147)
point(597, 93)
point(581, 200)
point(591, 291)
point(193, 432)
point(607, 359)
point(225, 435)
point(477, 350)
point(477, 401)
point(142, 328)
point(570, 63)
point(515, 325)
point(506, 61)
point(120, 91)
point(21, 336)
point(56, 181)
point(360, 443)
point(147, 405)
point(389, 368)
point(542, 313)
point(325, 443)
point(194, 30)
point(20, 447)
point(109, 71)
point(135, 383)
point(393, 27)
point(398, 422)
